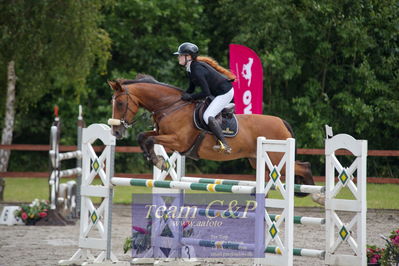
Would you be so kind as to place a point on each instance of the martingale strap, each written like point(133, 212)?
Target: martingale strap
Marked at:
point(192, 152)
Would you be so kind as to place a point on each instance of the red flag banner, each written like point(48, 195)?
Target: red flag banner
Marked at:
point(248, 87)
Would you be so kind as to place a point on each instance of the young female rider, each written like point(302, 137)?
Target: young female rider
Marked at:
point(214, 80)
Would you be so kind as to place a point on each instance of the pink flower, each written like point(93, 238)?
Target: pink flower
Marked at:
point(140, 230)
point(24, 216)
point(42, 214)
point(373, 260)
point(186, 223)
point(395, 240)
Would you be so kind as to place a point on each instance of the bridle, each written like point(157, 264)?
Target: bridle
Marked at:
point(123, 121)
point(161, 113)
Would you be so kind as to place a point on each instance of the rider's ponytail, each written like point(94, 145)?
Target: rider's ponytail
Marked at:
point(212, 62)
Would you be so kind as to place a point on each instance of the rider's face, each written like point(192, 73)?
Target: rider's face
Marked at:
point(182, 59)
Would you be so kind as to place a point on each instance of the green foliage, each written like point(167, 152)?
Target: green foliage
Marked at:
point(325, 62)
point(55, 45)
point(146, 33)
point(141, 237)
point(389, 255)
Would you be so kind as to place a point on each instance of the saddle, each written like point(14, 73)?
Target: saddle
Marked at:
point(226, 119)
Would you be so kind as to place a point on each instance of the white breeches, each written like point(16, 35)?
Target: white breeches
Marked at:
point(218, 104)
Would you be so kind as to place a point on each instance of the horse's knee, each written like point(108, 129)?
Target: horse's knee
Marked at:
point(146, 144)
point(149, 143)
point(141, 138)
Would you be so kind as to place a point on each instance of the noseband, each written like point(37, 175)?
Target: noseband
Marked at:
point(123, 121)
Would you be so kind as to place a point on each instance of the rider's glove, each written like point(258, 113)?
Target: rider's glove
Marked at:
point(186, 97)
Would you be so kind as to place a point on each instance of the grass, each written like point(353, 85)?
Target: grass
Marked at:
point(379, 196)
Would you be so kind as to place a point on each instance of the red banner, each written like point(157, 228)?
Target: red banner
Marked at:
point(248, 87)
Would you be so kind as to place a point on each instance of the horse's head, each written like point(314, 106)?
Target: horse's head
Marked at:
point(124, 108)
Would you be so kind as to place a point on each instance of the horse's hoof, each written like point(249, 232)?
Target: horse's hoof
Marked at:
point(162, 164)
point(159, 163)
point(319, 198)
point(147, 156)
point(165, 166)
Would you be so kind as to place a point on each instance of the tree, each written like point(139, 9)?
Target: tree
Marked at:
point(146, 33)
point(325, 62)
point(54, 45)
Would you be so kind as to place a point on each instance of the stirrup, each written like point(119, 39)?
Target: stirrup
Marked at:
point(222, 147)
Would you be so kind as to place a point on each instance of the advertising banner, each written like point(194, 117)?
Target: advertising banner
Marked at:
point(215, 226)
point(248, 87)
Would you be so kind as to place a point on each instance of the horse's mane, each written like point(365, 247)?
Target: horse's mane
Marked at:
point(144, 78)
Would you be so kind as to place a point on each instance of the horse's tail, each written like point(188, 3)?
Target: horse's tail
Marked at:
point(288, 126)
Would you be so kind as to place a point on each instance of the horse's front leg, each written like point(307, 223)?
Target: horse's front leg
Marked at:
point(169, 141)
point(141, 138)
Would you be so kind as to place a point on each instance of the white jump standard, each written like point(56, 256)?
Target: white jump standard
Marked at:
point(65, 195)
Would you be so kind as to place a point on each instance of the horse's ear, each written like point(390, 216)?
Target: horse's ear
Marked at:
point(115, 85)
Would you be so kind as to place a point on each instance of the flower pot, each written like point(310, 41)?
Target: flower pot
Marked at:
point(31, 221)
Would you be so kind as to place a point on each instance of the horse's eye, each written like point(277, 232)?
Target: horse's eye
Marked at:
point(119, 104)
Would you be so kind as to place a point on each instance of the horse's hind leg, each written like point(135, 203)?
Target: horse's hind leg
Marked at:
point(303, 176)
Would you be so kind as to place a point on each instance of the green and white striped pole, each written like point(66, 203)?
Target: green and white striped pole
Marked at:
point(118, 181)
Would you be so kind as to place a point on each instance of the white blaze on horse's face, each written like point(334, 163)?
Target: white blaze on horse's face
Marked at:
point(112, 121)
point(123, 110)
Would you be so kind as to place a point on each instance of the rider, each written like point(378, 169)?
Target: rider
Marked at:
point(214, 80)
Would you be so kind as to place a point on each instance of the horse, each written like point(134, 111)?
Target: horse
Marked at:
point(175, 129)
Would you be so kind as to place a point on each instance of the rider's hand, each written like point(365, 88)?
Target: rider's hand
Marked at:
point(186, 97)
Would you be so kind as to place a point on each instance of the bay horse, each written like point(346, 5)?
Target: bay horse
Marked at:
point(174, 126)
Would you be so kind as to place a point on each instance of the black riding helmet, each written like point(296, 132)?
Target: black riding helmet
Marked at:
point(187, 48)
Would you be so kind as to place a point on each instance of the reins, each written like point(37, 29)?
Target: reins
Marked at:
point(164, 114)
point(164, 111)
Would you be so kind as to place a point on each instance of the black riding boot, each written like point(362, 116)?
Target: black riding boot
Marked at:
point(215, 128)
